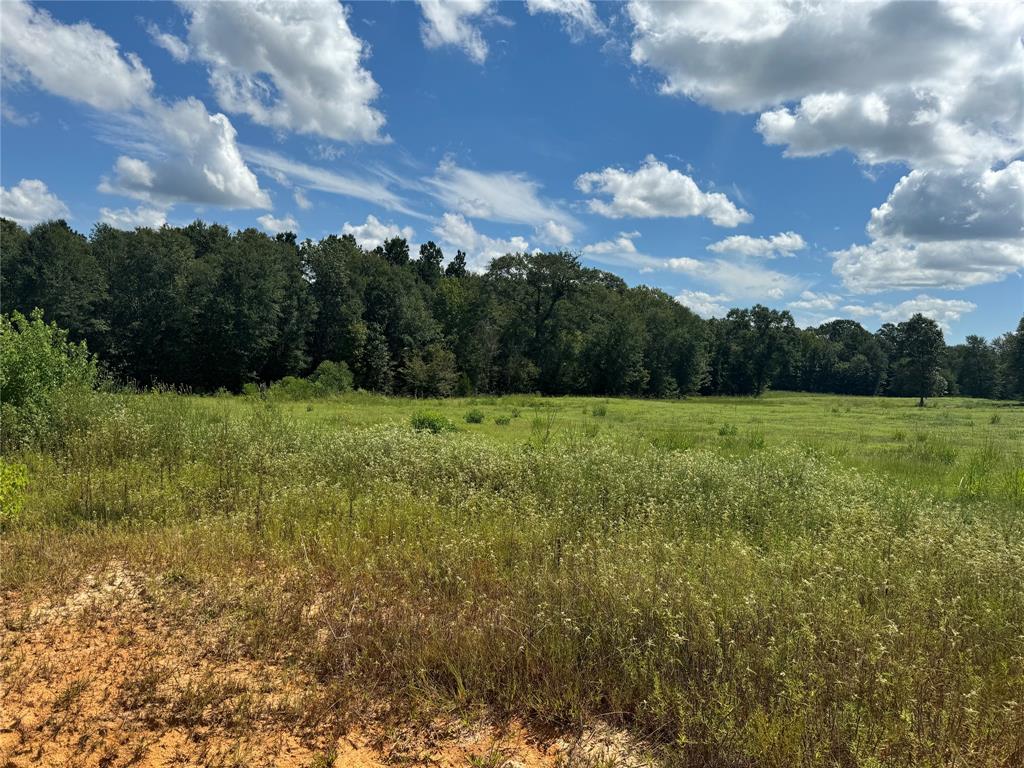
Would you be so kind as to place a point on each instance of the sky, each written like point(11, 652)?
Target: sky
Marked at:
point(860, 160)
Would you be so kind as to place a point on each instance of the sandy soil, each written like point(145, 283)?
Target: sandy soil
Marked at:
point(103, 680)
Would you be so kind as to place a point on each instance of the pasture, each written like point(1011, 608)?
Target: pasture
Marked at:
point(788, 580)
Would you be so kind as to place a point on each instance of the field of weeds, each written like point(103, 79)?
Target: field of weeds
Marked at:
point(797, 580)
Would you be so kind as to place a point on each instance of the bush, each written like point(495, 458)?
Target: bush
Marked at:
point(503, 421)
point(426, 421)
point(475, 416)
point(331, 378)
point(600, 410)
point(13, 479)
point(728, 430)
point(41, 372)
point(292, 388)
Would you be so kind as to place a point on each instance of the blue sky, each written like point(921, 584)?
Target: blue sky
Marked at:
point(859, 160)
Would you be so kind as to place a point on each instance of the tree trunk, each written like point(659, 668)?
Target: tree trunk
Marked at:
point(920, 403)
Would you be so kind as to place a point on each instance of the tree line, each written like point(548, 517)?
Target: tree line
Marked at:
point(205, 308)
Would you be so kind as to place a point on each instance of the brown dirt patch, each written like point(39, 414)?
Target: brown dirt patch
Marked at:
point(102, 679)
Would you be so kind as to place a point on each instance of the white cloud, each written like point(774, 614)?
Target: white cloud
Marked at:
point(621, 251)
point(656, 191)
point(373, 232)
point(503, 196)
point(553, 234)
point(29, 202)
point(810, 301)
point(453, 22)
point(706, 305)
point(896, 125)
point(782, 244)
point(579, 17)
point(455, 233)
point(187, 153)
point(291, 171)
point(14, 117)
point(274, 225)
point(745, 280)
point(75, 61)
point(175, 46)
point(951, 229)
point(929, 83)
point(191, 156)
point(942, 311)
point(290, 66)
point(899, 264)
point(301, 200)
point(127, 218)
point(958, 205)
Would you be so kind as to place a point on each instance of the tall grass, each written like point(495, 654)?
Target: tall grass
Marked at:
point(770, 608)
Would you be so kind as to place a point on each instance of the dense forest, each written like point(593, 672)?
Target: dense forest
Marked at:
point(205, 308)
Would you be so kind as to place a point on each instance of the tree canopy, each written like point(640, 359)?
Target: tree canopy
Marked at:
point(205, 308)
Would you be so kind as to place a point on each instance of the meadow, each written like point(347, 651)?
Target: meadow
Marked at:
point(780, 581)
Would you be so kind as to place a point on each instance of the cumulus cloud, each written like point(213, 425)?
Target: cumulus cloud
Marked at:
point(190, 156)
point(553, 234)
point(655, 191)
point(621, 251)
point(75, 61)
point(706, 305)
point(274, 225)
point(579, 17)
point(942, 311)
point(455, 23)
point(176, 152)
point(373, 232)
point(129, 218)
point(454, 232)
point(29, 202)
point(957, 205)
point(930, 83)
point(782, 244)
point(952, 229)
point(810, 301)
point(507, 197)
point(291, 66)
point(900, 264)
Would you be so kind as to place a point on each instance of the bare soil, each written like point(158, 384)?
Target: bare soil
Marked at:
point(105, 679)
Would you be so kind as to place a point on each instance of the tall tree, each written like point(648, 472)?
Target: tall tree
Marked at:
point(919, 354)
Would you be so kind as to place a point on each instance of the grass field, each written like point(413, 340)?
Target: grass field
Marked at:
point(792, 580)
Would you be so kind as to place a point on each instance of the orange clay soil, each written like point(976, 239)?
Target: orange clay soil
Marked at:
point(102, 679)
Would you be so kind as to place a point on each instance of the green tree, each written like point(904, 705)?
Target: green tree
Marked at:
point(457, 266)
point(54, 268)
point(429, 264)
point(919, 348)
point(975, 367)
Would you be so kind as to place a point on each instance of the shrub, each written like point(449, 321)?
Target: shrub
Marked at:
point(331, 378)
point(426, 421)
point(502, 421)
point(600, 410)
point(727, 430)
point(41, 372)
point(474, 416)
point(13, 479)
point(292, 388)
